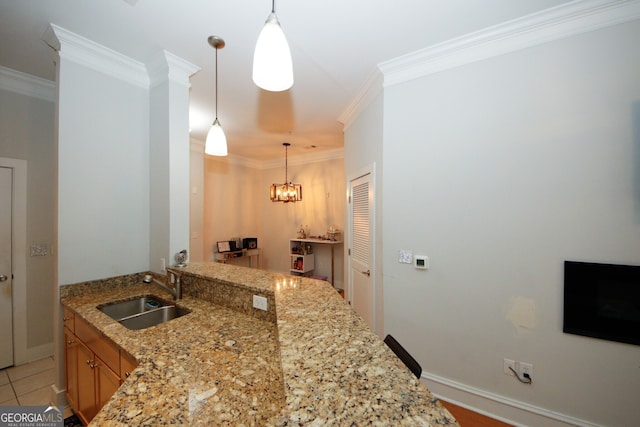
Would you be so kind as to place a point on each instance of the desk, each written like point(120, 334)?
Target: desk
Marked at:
point(225, 256)
point(331, 243)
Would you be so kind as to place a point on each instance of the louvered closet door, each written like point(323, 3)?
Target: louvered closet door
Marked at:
point(361, 238)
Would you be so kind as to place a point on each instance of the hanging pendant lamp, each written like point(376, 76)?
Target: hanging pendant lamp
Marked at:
point(216, 143)
point(272, 66)
point(286, 192)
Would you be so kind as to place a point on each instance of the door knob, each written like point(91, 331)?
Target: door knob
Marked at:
point(3, 278)
point(367, 273)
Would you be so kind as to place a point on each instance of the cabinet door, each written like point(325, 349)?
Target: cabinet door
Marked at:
point(107, 382)
point(86, 384)
point(71, 368)
point(127, 365)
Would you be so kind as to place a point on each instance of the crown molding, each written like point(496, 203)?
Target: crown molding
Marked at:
point(92, 55)
point(26, 84)
point(171, 67)
point(197, 146)
point(566, 20)
point(303, 159)
point(371, 89)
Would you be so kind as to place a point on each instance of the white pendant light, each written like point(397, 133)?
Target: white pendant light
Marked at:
point(272, 66)
point(216, 143)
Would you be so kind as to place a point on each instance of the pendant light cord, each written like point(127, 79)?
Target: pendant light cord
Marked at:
point(273, 6)
point(216, 83)
point(286, 163)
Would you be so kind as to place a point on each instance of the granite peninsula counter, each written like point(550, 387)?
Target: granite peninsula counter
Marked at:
point(308, 360)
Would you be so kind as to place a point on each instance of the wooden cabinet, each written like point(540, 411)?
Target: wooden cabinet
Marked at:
point(86, 407)
point(127, 365)
point(95, 368)
point(71, 363)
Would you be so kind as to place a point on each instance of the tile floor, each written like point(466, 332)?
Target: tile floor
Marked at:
point(28, 384)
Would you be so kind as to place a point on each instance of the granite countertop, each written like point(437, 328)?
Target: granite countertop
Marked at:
point(314, 362)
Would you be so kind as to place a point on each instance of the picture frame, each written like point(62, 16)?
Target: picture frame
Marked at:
point(224, 246)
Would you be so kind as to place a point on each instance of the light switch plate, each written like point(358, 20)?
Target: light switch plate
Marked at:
point(405, 256)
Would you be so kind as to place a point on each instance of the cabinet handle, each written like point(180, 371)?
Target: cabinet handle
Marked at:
point(126, 374)
point(64, 319)
point(70, 342)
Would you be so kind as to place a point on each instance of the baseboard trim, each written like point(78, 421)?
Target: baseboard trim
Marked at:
point(510, 411)
point(37, 353)
point(58, 397)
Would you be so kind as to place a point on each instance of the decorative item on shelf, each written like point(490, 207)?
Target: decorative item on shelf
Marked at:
point(216, 142)
point(287, 192)
point(308, 249)
point(302, 233)
point(250, 243)
point(237, 243)
point(181, 258)
point(272, 65)
point(225, 246)
point(333, 233)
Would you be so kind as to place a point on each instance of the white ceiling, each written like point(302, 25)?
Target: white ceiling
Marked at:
point(335, 46)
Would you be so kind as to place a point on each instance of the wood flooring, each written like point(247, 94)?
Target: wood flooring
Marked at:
point(467, 418)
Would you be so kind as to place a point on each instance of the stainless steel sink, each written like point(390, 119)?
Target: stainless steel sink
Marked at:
point(120, 310)
point(154, 317)
point(143, 312)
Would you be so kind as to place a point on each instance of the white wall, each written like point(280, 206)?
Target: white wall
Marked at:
point(322, 205)
point(236, 203)
point(103, 175)
point(499, 171)
point(231, 203)
point(196, 201)
point(26, 133)
point(363, 150)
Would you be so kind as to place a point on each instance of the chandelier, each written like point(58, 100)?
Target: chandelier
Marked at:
point(286, 192)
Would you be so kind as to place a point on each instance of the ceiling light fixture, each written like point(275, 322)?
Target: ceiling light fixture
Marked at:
point(272, 66)
point(286, 192)
point(216, 143)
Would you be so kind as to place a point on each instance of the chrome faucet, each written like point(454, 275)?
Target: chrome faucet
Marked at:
point(175, 278)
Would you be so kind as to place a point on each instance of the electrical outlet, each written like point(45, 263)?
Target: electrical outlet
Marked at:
point(260, 302)
point(525, 368)
point(508, 363)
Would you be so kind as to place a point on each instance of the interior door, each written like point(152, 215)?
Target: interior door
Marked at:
point(361, 292)
point(6, 302)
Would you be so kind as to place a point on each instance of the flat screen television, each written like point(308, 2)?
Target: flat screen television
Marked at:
point(602, 301)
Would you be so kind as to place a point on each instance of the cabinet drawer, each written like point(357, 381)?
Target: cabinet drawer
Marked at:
point(68, 319)
point(100, 345)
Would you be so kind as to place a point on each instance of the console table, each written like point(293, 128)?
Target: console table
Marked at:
point(225, 256)
point(332, 244)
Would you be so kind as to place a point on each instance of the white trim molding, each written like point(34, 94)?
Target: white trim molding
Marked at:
point(26, 84)
point(510, 411)
point(95, 56)
point(569, 19)
point(171, 67)
point(371, 89)
point(21, 352)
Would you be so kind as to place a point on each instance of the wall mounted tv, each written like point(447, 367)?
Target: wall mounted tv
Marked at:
point(602, 301)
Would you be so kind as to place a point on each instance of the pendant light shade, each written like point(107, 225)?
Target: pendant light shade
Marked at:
point(272, 66)
point(287, 192)
point(216, 143)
